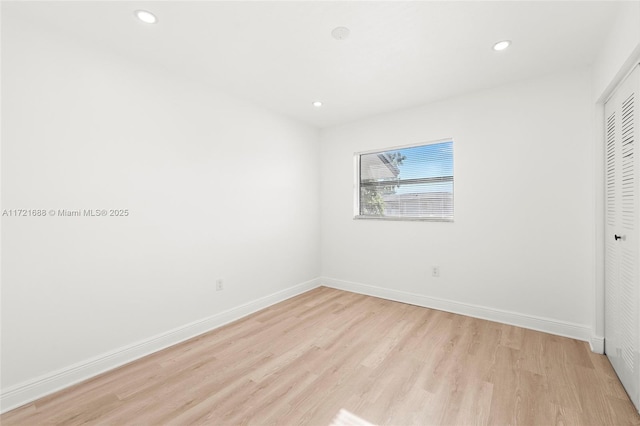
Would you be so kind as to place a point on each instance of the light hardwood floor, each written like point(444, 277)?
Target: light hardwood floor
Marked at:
point(303, 360)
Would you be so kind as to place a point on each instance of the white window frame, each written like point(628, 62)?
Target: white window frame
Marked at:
point(356, 185)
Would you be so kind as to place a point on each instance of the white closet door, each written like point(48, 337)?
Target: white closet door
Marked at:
point(622, 298)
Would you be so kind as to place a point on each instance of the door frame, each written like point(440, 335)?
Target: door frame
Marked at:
point(597, 340)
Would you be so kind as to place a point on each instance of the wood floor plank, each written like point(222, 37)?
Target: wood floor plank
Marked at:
point(562, 389)
point(596, 408)
point(512, 337)
point(301, 361)
point(476, 404)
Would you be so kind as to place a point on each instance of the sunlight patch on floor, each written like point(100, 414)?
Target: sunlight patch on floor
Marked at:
point(345, 418)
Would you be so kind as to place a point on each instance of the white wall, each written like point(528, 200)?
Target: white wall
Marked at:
point(522, 240)
point(621, 45)
point(215, 188)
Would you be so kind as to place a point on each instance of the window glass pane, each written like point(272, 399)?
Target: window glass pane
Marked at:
point(414, 182)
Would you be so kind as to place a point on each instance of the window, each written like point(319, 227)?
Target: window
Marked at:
point(406, 183)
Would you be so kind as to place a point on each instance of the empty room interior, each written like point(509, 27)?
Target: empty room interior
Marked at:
point(320, 212)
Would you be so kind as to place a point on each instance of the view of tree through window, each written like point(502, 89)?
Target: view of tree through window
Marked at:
point(414, 182)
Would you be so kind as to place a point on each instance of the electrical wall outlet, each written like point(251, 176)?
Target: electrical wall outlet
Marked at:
point(435, 271)
point(219, 284)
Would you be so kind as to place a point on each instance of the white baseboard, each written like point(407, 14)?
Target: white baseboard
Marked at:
point(547, 325)
point(46, 384)
point(597, 344)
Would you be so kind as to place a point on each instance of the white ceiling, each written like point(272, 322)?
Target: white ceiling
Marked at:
point(281, 54)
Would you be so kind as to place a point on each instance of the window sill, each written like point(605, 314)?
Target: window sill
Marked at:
point(405, 219)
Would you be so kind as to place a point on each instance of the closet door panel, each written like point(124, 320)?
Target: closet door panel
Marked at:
point(622, 296)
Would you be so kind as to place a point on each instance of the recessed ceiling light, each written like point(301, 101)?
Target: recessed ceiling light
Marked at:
point(317, 104)
point(340, 33)
point(501, 45)
point(146, 16)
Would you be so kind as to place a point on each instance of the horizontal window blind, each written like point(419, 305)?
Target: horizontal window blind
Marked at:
point(407, 183)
